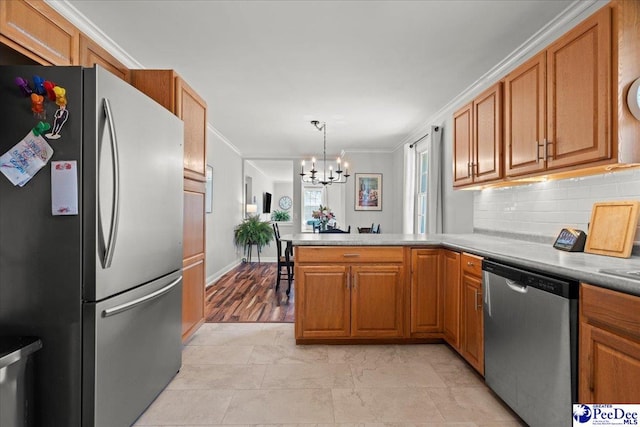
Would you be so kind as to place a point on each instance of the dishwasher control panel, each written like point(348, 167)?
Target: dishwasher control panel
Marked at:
point(563, 287)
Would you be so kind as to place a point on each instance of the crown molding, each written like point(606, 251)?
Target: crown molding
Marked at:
point(571, 15)
point(223, 138)
point(76, 17)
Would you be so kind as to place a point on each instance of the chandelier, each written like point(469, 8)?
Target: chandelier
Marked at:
point(340, 176)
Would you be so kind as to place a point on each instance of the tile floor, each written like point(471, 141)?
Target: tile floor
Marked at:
point(254, 374)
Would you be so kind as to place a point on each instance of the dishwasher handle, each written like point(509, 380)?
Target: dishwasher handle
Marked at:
point(516, 286)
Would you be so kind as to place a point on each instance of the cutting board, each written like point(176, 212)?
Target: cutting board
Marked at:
point(612, 228)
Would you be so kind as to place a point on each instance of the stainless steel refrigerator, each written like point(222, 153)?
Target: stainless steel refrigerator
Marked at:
point(101, 286)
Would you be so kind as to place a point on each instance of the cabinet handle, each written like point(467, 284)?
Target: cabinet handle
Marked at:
point(470, 264)
point(475, 295)
point(546, 149)
point(348, 281)
point(469, 169)
point(355, 283)
point(544, 146)
point(350, 255)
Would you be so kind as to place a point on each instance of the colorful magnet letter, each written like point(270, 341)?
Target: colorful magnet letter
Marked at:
point(48, 86)
point(37, 106)
point(61, 96)
point(41, 128)
point(37, 85)
point(24, 86)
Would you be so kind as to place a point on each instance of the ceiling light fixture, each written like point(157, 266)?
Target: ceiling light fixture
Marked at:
point(338, 178)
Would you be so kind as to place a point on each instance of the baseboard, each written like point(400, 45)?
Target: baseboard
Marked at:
point(218, 274)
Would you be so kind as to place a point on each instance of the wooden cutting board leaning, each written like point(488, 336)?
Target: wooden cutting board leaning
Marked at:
point(612, 228)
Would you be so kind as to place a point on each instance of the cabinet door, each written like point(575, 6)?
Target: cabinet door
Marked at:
point(192, 109)
point(524, 111)
point(192, 298)
point(426, 291)
point(462, 146)
point(193, 248)
point(322, 301)
point(579, 93)
point(609, 367)
point(377, 301)
point(451, 281)
point(472, 346)
point(92, 53)
point(487, 135)
point(35, 29)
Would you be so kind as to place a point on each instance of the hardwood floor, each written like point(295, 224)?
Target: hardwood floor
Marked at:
point(247, 294)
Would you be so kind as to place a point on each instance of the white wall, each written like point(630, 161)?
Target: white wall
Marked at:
point(227, 206)
point(390, 216)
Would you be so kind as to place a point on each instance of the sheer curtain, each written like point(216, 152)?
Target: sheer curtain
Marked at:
point(422, 210)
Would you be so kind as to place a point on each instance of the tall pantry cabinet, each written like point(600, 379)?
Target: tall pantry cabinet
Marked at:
point(171, 91)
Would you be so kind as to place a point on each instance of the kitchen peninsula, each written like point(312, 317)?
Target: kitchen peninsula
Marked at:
point(401, 288)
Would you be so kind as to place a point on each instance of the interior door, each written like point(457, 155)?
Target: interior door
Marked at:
point(133, 187)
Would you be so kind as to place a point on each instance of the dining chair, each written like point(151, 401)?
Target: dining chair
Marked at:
point(285, 263)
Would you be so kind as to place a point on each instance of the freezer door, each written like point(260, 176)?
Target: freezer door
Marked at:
point(132, 154)
point(132, 349)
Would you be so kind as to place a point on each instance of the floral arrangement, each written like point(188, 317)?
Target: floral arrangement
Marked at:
point(324, 215)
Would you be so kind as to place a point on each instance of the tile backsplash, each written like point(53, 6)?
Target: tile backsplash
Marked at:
point(543, 209)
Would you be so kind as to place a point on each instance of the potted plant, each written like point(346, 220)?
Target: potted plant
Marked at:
point(280, 216)
point(252, 231)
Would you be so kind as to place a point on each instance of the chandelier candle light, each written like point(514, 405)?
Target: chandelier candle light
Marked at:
point(326, 180)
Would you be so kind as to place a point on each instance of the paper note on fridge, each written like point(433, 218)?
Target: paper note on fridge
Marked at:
point(64, 188)
point(25, 159)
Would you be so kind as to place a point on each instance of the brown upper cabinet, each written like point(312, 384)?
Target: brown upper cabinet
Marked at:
point(91, 53)
point(478, 139)
point(462, 145)
point(172, 92)
point(34, 29)
point(524, 117)
point(558, 104)
point(169, 89)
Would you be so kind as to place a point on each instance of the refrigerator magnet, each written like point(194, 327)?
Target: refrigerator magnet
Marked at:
point(64, 187)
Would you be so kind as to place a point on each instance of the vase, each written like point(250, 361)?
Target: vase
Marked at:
point(323, 225)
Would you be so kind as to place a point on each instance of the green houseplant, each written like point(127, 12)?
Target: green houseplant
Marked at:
point(280, 216)
point(252, 231)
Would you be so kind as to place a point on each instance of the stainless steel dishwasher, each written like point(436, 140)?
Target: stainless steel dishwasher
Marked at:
point(530, 342)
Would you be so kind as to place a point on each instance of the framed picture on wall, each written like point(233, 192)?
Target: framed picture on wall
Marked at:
point(368, 192)
point(208, 196)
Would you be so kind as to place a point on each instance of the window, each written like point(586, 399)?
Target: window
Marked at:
point(312, 197)
point(421, 193)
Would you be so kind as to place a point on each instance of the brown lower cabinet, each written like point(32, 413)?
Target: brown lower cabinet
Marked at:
point(342, 292)
point(362, 293)
point(427, 311)
point(471, 319)
point(451, 293)
point(609, 353)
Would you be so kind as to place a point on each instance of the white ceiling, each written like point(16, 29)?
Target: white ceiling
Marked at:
point(375, 71)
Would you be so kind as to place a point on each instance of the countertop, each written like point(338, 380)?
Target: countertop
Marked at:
point(521, 253)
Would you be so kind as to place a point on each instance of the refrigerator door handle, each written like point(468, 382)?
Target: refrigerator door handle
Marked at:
point(131, 304)
point(115, 206)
